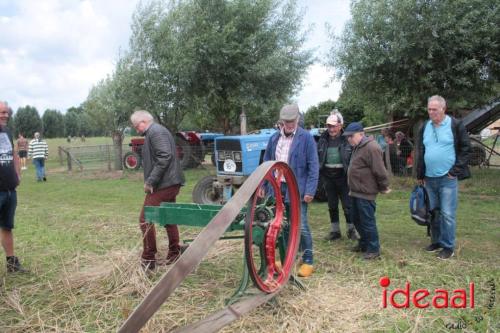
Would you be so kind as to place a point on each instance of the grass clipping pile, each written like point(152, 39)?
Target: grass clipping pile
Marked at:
point(101, 296)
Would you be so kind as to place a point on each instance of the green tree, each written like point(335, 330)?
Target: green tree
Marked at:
point(27, 121)
point(215, 59)
point(316, 115)
point(53, 124)
point(71, 124)
point(396, 53)
point(108, 110)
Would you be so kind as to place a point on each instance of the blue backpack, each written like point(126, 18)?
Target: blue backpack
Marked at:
point(420, 207)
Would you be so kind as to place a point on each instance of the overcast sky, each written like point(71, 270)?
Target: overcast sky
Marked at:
point(53, 51)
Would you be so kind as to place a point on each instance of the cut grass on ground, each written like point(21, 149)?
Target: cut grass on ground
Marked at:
point(78, 235)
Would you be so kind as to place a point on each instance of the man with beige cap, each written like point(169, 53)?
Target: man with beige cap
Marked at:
point(296, 147)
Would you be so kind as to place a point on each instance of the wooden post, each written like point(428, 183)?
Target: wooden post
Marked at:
point(108, 156)
point(59, 152)
point(68, 156)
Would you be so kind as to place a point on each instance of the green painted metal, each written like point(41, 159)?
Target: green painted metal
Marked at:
point(198, 215)
point(189, 214)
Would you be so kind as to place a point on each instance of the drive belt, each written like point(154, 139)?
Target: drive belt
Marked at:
point(196, 252)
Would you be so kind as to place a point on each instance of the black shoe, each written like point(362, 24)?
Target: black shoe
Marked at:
point(13, 265)
point(44, 179)
point(371, 255)
point(352, 234)
point(333, 236)
point(433, 247)
point(358, 248)
point(148, 265)
point(445, 253)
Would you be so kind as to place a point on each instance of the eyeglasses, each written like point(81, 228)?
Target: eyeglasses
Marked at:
point(332, 126)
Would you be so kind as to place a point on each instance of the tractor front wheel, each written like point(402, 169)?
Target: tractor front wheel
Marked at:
point(205, 193)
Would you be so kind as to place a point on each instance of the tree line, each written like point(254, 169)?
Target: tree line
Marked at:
point(200, 64)
point(53, 124)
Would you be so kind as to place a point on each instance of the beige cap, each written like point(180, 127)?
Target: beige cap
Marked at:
point(289, 112)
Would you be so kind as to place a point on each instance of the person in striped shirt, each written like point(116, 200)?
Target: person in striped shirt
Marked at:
point(39, 151)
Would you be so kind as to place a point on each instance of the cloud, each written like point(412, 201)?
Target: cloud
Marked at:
point(53, 51)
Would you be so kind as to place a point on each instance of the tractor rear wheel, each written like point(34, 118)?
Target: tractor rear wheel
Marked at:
point(184, 152)
point(132, 161)
point(205, 193)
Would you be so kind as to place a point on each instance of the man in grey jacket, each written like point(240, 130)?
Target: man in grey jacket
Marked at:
point(163, 178)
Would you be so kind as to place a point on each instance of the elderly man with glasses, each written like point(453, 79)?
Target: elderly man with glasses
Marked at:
point(296, 147)
point(443, 156)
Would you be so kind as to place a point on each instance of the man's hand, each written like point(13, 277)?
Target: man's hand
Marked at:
point(450, 176)
point(387, 191)
point(148, 188)
point(308, 198)
point(421, 182)
point(261, 192)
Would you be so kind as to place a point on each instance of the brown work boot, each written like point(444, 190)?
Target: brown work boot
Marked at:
point(172, 257)
point(148, 265)
point(13, 265)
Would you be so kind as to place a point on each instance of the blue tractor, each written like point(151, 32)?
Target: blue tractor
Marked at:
point(236, 157)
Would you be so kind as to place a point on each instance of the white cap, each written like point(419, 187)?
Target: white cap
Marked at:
point(334, 119)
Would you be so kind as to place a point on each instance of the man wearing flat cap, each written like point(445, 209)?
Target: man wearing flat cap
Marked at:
point(366, 178)
point(296, 147)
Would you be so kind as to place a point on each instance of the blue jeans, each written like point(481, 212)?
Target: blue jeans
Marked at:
point(306, 242)
point(443, 195)
point(40, 168)
point(363, 216)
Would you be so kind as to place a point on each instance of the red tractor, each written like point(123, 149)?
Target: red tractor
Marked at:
point(189, 146)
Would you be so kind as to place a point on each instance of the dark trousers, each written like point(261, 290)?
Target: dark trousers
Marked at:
point(363, 215)
point(336, 188)
point(167, 194)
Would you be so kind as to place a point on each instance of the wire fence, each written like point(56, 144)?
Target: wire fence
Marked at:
point(398, 150)
point(98, 157)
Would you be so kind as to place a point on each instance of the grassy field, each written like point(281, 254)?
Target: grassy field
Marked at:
point(78, 235)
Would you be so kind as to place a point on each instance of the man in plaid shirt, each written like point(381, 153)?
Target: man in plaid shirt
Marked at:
point(296, 147)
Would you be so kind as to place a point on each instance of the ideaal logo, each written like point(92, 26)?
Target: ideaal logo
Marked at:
point(423, 298)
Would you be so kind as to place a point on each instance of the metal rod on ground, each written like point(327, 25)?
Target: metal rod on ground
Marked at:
point(194, 253)
point(218, 320)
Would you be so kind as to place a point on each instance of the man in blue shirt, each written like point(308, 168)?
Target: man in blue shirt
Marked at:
point(442, 160)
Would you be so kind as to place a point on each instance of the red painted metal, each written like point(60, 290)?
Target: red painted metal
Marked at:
point(131, 162)
point(268, 277)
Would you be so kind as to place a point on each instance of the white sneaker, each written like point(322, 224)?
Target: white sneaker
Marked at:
point(24, 168)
